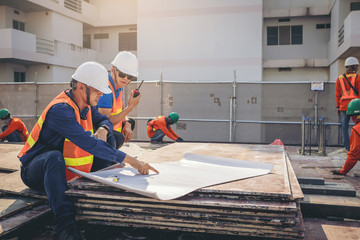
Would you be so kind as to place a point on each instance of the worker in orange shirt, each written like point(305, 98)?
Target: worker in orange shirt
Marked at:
point(13, 130)
point(160, 126)
point(347, 88)
point(353, 155)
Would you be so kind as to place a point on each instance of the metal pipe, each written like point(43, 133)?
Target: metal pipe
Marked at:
point(231, 121)
point(302, 151)
point(161, 93)
point(316, 117)
point(221, 82)
point(36, 99)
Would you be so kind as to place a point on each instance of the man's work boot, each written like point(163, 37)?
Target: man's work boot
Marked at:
point(357, 174)
point(71, 232)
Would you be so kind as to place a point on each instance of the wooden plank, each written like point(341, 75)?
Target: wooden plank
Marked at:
point(265, 217)
point(261, 153)
point(311, 180)
point(10, 205)
point(171, 220)
point(186, 201)
point(330, 188)
point(296, 192)
point(20, 219)
point(194, 228)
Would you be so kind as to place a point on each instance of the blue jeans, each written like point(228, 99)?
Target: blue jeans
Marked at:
point(345, 119)
point(12, 137)
point(46, 172)
point(159, 135)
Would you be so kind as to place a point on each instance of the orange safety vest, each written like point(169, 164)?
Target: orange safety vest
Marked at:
point(348, 93)
point(24, 132)
point(74, 156)
point(117, 107)
point(151, 123)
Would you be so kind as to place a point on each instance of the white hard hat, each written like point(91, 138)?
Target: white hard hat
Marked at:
point(351, 61)
point(94, 75)
point(127, 63)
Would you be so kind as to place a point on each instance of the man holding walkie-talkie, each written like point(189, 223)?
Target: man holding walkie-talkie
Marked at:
point(347, 88)
point(124, 68)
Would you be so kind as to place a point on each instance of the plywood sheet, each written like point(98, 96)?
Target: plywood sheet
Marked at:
point(179, 178)
point(276, 183)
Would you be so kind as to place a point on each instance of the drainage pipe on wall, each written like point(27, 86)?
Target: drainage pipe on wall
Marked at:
point(161, 93)
point(233, 110)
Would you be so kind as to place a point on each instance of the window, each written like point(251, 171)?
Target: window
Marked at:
point(128, 41)
point(101, 36)
point(355, 6)
point(285, 35)
point(19, 76)
point(18, 25)
point(272, 36)
point(323, 26)
point(296, 35)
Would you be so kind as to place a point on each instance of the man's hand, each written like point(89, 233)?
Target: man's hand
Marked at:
point(141, 166)
point(128, 133)
point(133, 101)
point(101, 133)
point(179, 139)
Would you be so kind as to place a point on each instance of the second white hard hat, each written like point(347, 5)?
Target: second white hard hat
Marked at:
point(94, 75)
point(351, 61)
point(127, 63)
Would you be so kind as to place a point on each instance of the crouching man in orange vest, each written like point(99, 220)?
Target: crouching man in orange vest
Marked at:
point(63, 136)
point(353, 155)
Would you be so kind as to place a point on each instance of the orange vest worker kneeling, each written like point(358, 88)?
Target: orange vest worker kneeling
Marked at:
point(353, 155)
point(13, 129)
point(159, 127)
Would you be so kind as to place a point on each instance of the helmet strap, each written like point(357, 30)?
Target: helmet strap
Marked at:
point(87, 95)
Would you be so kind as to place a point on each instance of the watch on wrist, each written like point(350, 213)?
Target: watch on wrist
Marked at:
point(106, 127)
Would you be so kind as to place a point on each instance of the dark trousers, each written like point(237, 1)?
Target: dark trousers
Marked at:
point(159, 135)
point(12, 137)
point(46, 172)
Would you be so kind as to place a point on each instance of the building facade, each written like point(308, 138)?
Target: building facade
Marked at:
point(272, 49)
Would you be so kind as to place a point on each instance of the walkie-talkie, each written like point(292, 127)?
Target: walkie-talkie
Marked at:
point(136, 91)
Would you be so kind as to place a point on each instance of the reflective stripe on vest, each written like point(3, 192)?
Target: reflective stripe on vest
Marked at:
point(348, 93)
point(73, 155)
point(151, 123)
point(117, 107)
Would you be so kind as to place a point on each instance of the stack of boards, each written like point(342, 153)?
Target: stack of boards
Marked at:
point(265, 206)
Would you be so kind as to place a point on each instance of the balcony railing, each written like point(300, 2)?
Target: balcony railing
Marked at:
point(341, 35)
point(74, 5)
point(45, 46)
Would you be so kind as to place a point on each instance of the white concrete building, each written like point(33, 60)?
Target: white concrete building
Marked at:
point(259, 43)
point(286, 40)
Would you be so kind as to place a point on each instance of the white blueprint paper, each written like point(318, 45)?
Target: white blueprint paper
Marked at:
point(179, 178)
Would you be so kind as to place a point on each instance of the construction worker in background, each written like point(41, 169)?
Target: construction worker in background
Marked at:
point(159, 127)
point(13, 129)
point(353, 155)
point(124, 68)
point(347, 88)
point(63, 136)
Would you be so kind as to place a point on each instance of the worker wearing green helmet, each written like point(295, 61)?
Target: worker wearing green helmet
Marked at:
point(160, 127)
point(13, 129)
point(353, 155)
